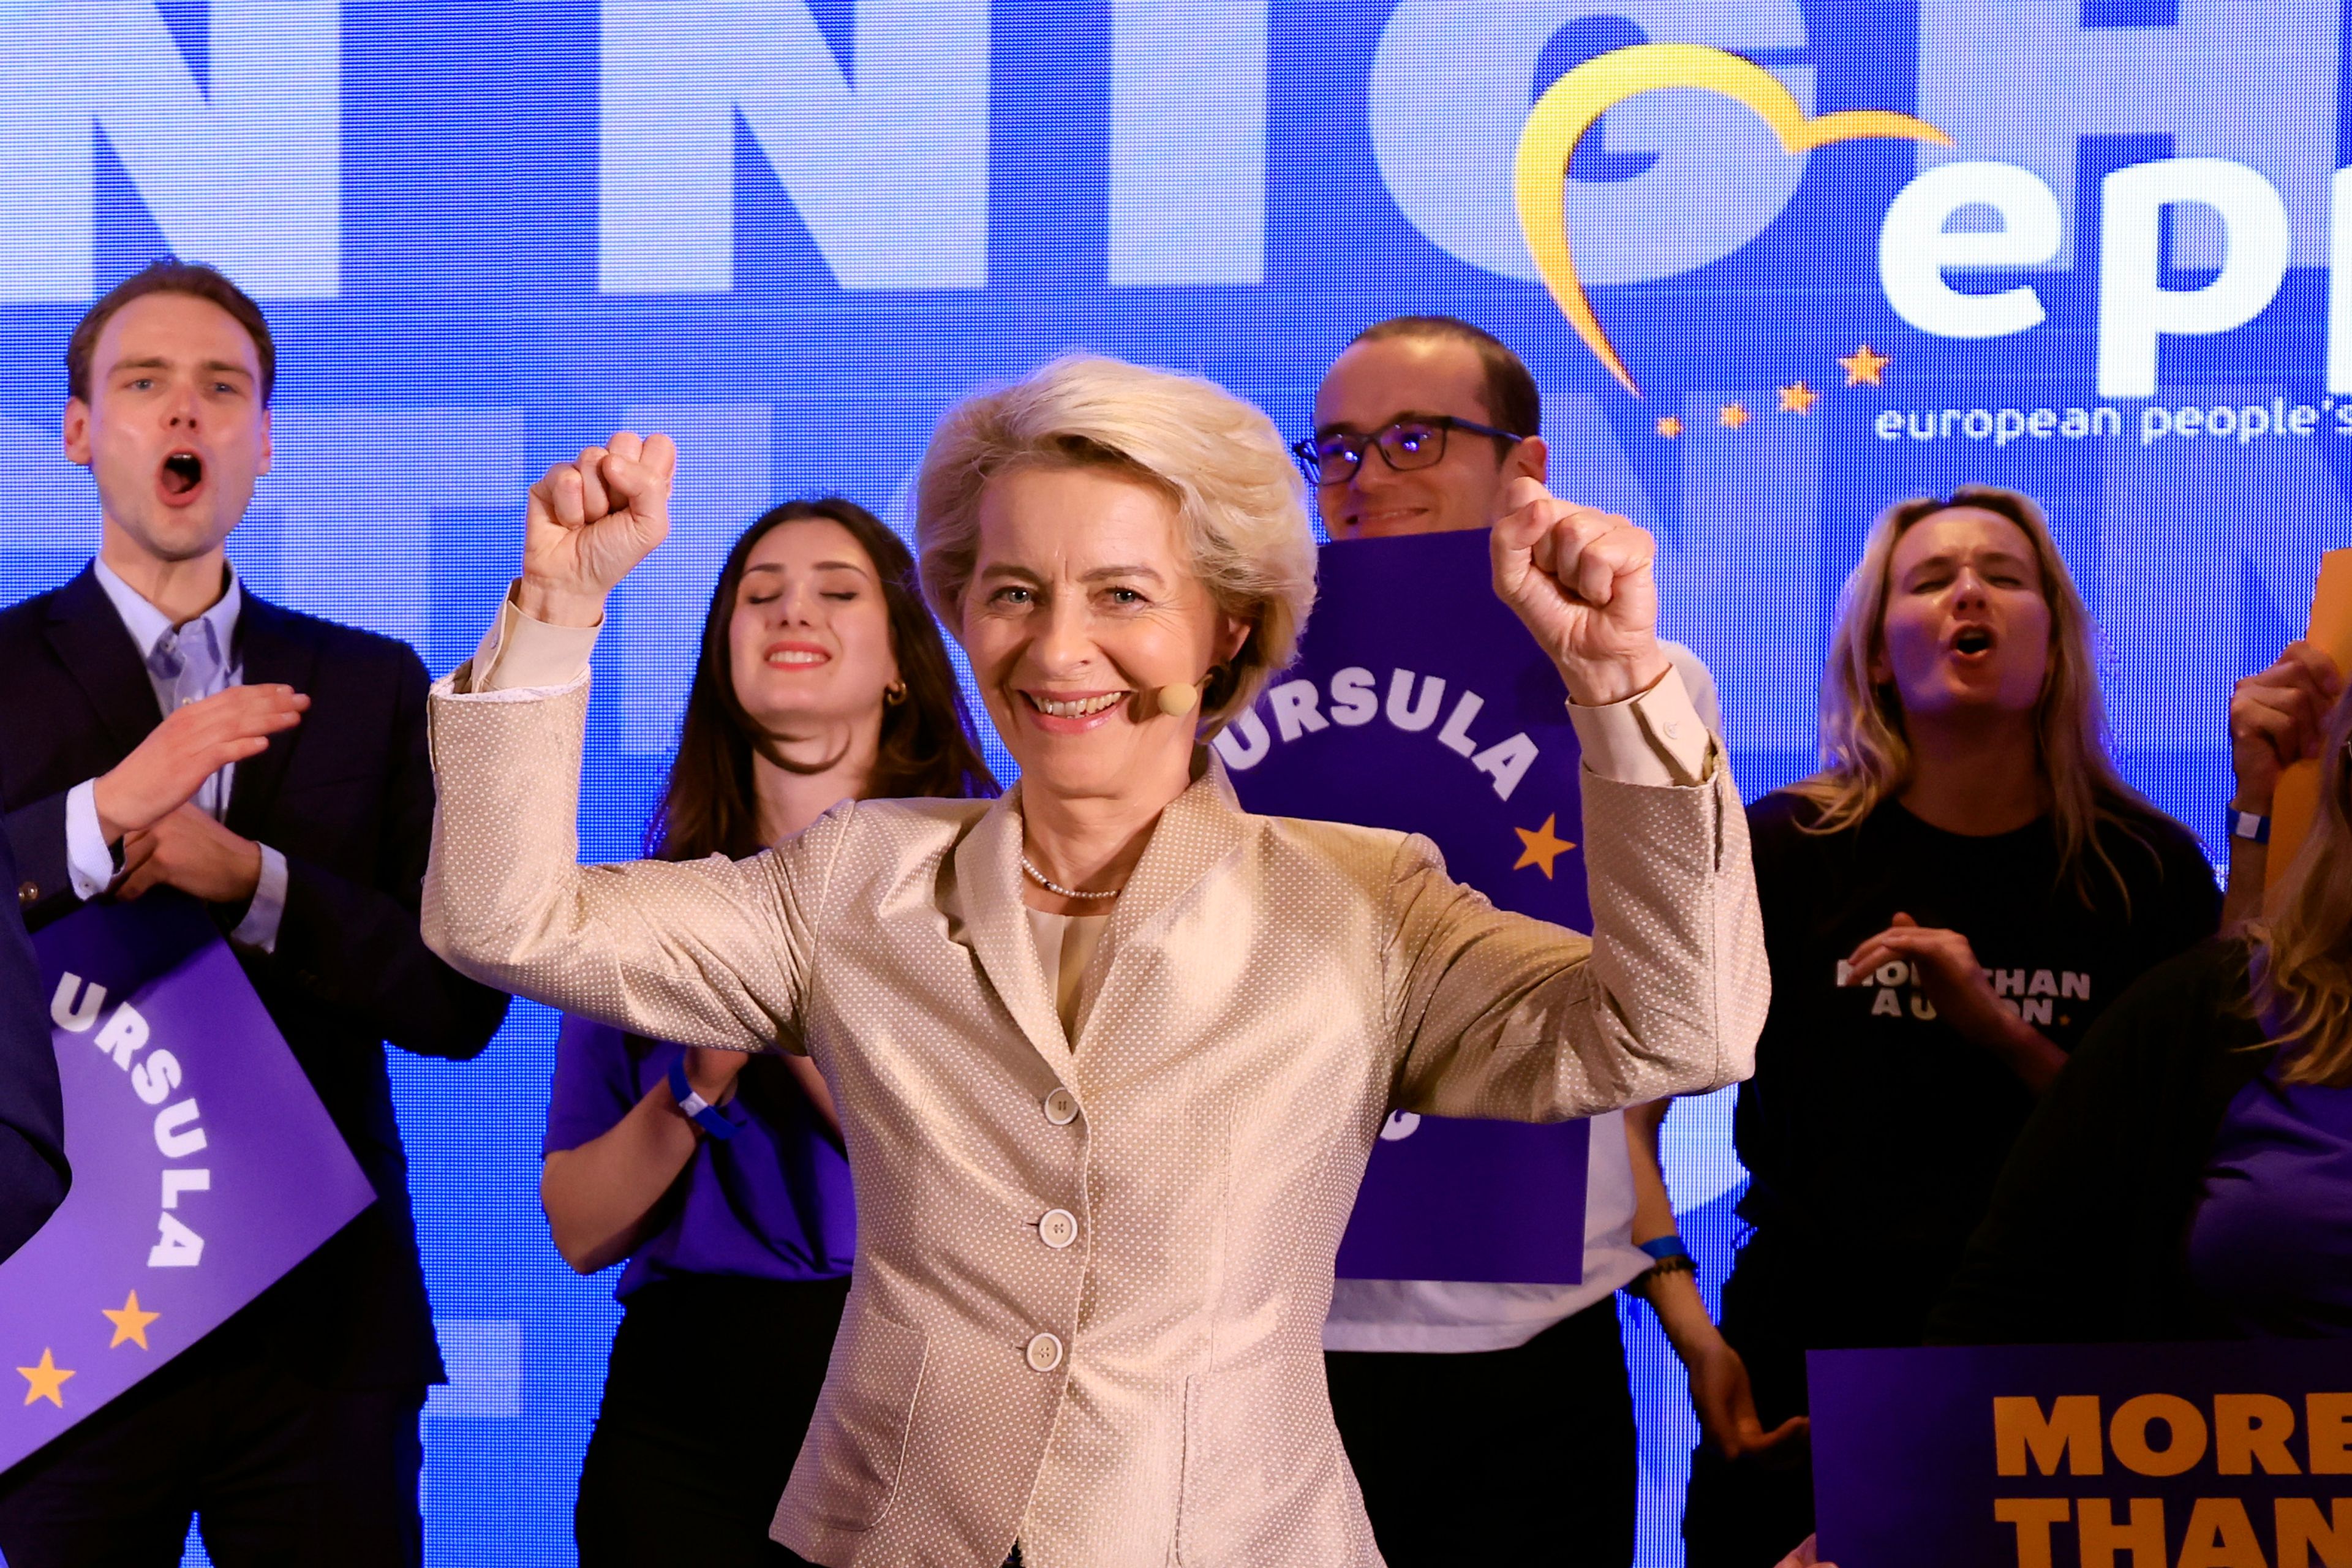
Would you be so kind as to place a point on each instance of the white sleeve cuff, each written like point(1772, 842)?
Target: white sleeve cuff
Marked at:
point(259, 927)
point(1654, 737)
point(520, 654)
point(89, 864)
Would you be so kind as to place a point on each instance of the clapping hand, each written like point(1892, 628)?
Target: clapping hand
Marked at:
point(191, 744)
point(589, 522)
point(188, 850)
point(1581, 580)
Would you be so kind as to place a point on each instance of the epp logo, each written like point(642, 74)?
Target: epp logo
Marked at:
point(2134, 312)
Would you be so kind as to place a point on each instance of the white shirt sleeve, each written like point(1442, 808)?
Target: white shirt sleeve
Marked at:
point(1654, 737)
point(1699, 681)
point(263, 915)
point(520, 654)
point(89, 864)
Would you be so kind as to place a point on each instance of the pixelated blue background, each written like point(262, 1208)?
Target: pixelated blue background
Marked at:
point(790, 234)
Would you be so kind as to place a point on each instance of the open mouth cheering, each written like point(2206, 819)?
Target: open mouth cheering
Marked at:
point(183, 473)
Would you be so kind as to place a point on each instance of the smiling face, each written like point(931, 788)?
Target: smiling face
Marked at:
point(1967, 623)
point(1081, 605)
point(1377, 382)
point(810, 637)
point(174, 431)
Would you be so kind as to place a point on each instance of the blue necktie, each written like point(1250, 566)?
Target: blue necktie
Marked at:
point(186, 664)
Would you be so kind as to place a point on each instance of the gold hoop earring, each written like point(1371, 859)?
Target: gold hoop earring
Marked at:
point(894, 694)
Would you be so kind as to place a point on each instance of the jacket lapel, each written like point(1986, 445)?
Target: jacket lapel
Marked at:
point(988, 878)
point(1200, 830)
point(274, 649)
point(96, 651)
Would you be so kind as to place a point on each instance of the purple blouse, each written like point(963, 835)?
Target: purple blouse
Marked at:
point(771, 1202)
point(2270, 1245)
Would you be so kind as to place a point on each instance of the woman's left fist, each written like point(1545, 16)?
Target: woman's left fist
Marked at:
point(1581, 580)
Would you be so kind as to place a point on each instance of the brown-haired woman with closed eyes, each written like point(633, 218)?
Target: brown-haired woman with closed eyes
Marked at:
point(719, 1175)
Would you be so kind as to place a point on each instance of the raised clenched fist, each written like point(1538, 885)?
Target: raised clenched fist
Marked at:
point(589, 522)
point(1581, 580)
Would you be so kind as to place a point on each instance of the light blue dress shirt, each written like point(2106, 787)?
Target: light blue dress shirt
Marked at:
point(184, 664)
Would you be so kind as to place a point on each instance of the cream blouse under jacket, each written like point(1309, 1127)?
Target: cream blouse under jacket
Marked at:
point(1092, 1275)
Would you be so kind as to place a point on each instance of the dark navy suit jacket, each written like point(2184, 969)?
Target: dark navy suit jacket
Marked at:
point(347, 797)
point(32, 1122)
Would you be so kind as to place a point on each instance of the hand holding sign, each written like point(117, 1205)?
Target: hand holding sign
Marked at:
point(1726, 1402)
point(590, 522)
point(2276, 718)
point(1579, 580)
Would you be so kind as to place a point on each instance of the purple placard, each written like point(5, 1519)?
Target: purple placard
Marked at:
point(1419, 702)
point(2231, 1452)
point(203, 1165)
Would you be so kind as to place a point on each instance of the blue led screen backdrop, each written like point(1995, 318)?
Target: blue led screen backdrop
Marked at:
point(790, 234)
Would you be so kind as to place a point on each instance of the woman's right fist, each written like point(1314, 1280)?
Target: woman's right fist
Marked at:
point(589, 522)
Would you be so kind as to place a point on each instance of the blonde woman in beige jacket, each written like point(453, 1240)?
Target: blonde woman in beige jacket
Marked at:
point(1109, 1053)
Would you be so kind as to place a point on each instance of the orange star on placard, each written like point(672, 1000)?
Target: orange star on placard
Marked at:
point(1670, 427)
point(1798, 399)
point(1732, 415)
point(1542, 849)
point(129, 1323)
point(47, 1380)
point(1864, 368)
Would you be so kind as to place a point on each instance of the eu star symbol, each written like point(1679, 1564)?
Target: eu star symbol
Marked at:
point(1732, 415)
point(47, 1380)
point(1798, 399)
point(1670, 427)
point(129, 1323)
point(1542, 847)
point(1864, 368)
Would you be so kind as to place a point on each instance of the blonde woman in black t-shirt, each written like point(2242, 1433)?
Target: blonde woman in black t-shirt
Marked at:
point(1947, 905)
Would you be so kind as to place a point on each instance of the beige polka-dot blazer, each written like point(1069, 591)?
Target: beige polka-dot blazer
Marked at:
point(1092, 1275)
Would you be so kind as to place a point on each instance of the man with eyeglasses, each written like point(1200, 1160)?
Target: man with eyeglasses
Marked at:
point(1494, 1423)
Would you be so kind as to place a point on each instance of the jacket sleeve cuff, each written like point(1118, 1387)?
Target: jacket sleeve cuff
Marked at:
point(520, 654)
point(89, 864)
point(1653, 738)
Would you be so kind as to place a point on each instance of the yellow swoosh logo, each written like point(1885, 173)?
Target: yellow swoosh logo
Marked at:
point(1562, 116)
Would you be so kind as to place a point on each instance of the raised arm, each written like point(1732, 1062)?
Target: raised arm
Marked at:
point(708, 954)
point(1503, 1016)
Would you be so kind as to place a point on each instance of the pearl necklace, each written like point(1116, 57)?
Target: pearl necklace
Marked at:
point(1052, 887)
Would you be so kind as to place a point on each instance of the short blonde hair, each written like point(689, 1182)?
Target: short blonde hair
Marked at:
point(1241, 505)
point(1866, 751)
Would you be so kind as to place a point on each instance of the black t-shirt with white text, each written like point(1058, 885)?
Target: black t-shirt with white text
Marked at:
point(1873, 1131)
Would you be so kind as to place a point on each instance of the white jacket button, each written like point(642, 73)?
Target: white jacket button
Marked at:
point(1061, 1107)
point(1044, 1352)
point(1058, 1229)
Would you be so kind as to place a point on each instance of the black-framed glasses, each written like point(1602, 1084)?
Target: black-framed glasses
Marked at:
point(1404, 444)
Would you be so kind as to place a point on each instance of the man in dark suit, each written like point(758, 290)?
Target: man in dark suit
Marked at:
point(167, 728)
point(31, 1135)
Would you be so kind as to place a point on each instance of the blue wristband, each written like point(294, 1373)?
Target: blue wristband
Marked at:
point(1664, 1248)
point(700, 1112)
point(2245, 824)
